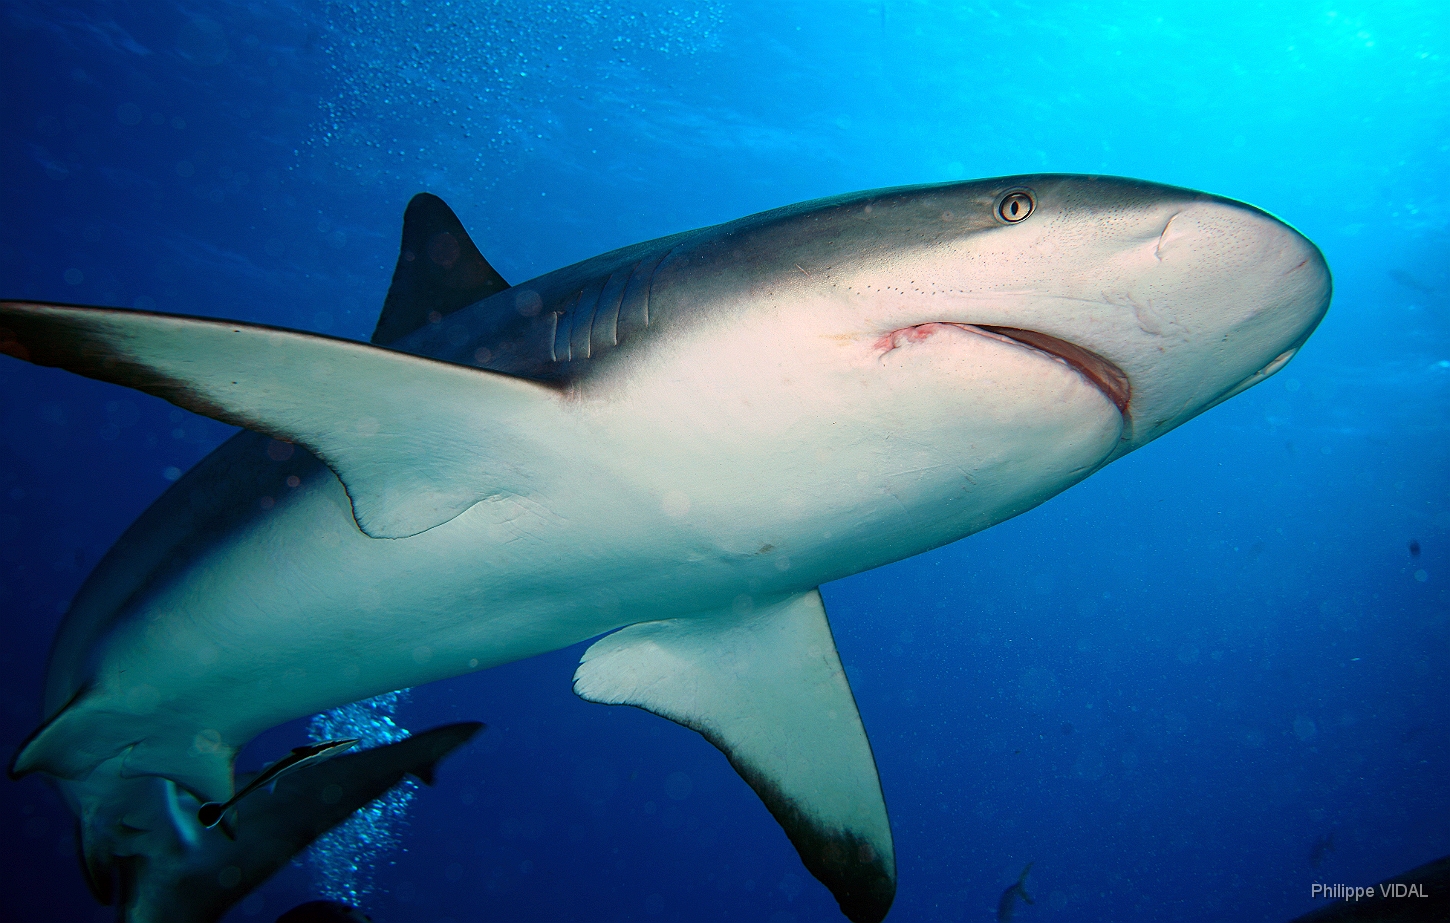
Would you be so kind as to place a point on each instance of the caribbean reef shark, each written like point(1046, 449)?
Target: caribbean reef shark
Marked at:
point(1007, 903)
point(672, 446)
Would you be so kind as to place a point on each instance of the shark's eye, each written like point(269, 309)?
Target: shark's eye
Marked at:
point(1015, 206)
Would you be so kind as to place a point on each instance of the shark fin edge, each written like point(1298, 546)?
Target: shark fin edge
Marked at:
point(439, 271)
point(29, 756)
point(414, 441)
point(443, 742)
point(75, 740)
point(862, 881)
point(94, 728)
point(767, 689)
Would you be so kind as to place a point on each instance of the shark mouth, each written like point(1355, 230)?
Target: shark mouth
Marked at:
point(1102, 374)
point(1106, 376)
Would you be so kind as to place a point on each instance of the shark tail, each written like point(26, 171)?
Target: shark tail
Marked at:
point(176, 871)
point(1007, 904)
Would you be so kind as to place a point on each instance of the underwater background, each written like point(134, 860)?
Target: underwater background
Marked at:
point(1211, 675)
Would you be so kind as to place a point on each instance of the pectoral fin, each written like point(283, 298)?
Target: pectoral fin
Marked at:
point(768, 690)
point(414, 441)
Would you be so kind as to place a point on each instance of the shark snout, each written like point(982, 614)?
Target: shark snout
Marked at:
point(1298, 287)
point(1221, 296)
point(1218, 262)
point(1292, 281)
point(1298, 254)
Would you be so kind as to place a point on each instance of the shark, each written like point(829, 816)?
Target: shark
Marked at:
point(1007, 903)
point(665, 449)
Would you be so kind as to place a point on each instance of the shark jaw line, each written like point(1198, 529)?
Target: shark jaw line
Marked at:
point(1102, 374)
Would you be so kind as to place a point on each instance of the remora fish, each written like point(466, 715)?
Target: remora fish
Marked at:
point(674, 443)
point(211, 813)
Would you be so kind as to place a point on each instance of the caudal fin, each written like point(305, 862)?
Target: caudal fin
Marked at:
point(198, 883)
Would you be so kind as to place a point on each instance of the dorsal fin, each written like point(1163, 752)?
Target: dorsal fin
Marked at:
point(439, 270)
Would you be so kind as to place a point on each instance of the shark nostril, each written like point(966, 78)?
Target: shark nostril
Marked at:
point(1165, 239)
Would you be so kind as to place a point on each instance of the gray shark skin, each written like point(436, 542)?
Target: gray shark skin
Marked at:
point(671, 445)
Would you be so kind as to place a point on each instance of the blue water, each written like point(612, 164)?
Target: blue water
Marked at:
point(1162, 687)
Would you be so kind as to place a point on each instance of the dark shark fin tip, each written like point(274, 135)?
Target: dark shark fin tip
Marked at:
point(439, 271)
point(450, 736)
point(769, 692)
